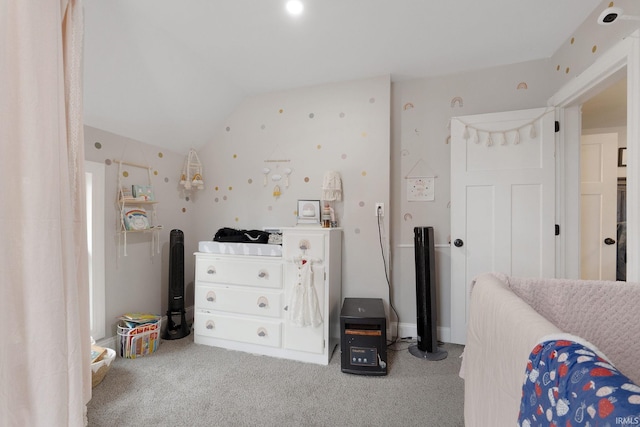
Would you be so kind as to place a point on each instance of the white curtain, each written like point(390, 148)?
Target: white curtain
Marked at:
point(45, 377)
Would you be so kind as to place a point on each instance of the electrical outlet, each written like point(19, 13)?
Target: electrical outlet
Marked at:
point(379, 209)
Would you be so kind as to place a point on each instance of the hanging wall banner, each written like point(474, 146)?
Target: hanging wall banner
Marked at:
point(420, 189)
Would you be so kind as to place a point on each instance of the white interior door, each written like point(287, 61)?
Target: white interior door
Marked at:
point(502, 201)
point(598, 197)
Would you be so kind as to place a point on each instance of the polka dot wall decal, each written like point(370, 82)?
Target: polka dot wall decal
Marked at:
point(372, 100)
point(280, 111)
point(155, 173)
point(237, 219)
point(594, 48)
point(357, 231)
point(610, 4)
point(184, 209)
point(311, 115)
point(107, 162)
point(224, 197)
point(364, 173)
point(186, 198)
point(125, 174)
point(558, 67)
point(97, 145)
point(166, 179)
point(269, 208)
point(364, 134)
point(217, 188)
point(263, 127)
point(566, 71)
point(216, 200)
point(160, 154)
point(306, 179)
point(573, 39)
point(341, 115)
point(228, 129)
point(230, 188)
point(361, 204)
point(235, 156)
point(250, 181)
point(319, 146)
point(344, 156)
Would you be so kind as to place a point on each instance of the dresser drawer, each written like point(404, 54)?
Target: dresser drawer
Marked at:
point(239, 300)
point(249, 330)
point(296, 244)
point(235, 271)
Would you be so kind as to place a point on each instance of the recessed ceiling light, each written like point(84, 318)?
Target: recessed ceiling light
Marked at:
point(295, 7)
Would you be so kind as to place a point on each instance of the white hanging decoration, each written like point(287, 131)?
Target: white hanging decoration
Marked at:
point(287, 172)
point(501, 135)
point(489, 139)
point(265, 171)
point(516, 137)
point(191, 177)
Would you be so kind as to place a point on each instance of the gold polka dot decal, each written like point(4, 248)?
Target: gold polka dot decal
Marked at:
point(594, 48)
point(364, 173)
point(160, 154)
point(217, 188)
point(235, 156)
point(610, 4)
point(184, 209)
point(230, 188)
point(237, 219)
point(566, 71)
point(125, 174)
point(558, 67)
point(573, 39)
point(155, 173)
point(280, 111)
point(364, 134)
point(319, 147)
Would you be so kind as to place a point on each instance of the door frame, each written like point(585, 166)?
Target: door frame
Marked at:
point(612, 65)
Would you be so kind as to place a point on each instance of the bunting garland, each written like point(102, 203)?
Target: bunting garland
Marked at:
point(503, 137)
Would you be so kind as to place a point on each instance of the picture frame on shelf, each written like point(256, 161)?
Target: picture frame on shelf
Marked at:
point(309, 212)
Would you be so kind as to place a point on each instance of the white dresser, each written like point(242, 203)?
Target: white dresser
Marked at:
point(245, 302)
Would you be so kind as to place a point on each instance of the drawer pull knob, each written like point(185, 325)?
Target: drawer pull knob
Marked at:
point(263, 302)
point(211, 296)
point(211, 270)
point(210, 324)
point(262, 332)
point(263, 274)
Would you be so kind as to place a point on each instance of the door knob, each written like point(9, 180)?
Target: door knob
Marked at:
point(458, 243)
point(609, 241)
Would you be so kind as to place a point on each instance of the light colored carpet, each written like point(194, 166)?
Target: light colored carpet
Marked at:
point(186, 384)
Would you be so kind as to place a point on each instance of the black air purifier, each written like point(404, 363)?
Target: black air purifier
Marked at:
point(175, 331)
point(426, 302)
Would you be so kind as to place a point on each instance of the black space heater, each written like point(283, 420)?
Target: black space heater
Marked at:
point(426, 302)
point(176, 289)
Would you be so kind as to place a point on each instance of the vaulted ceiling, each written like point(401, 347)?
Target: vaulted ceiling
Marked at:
point(169, 72)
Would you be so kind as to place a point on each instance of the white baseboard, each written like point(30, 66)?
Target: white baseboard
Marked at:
point(112, 342)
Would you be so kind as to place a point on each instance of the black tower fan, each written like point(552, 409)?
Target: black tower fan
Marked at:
point(176, 288)
point(427, 347)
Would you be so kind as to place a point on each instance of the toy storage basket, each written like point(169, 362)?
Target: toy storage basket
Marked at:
point(140, 340)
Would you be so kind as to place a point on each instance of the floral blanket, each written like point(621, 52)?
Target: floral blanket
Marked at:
point(568, 383)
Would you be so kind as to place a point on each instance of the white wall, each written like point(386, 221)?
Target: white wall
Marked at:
point(139, 281)
point(340, 126)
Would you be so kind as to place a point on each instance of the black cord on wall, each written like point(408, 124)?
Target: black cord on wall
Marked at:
point(386, 274)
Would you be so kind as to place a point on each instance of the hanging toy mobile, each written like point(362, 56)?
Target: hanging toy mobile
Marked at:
point(191, 177)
